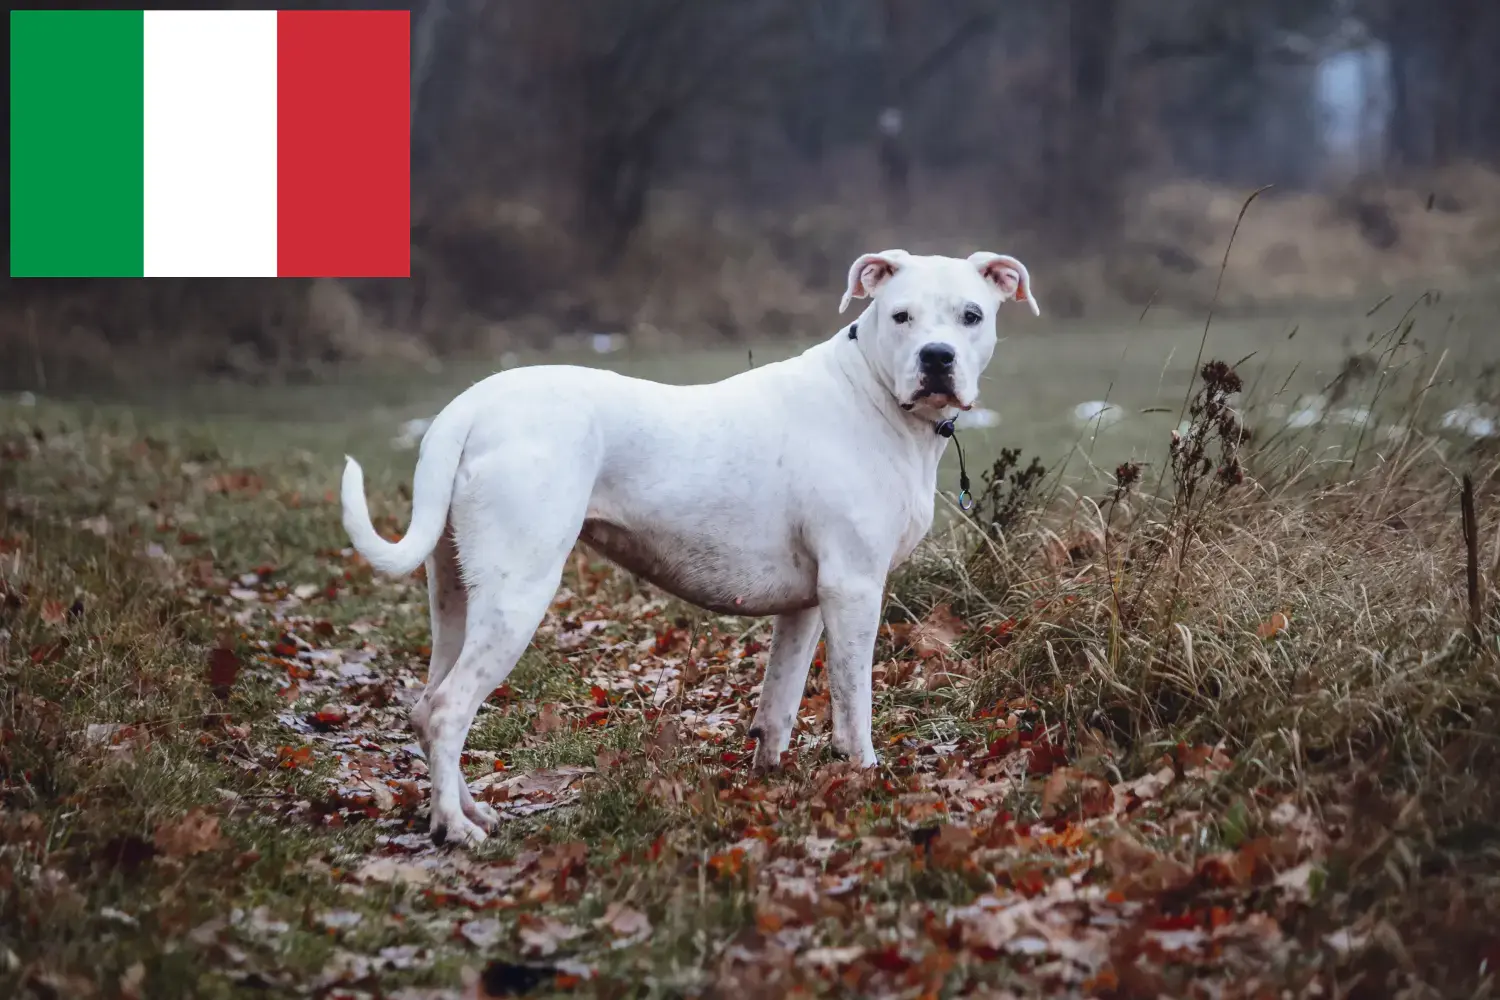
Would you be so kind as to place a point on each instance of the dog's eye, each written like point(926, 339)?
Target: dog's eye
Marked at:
point(972, 316)
point(901, 316)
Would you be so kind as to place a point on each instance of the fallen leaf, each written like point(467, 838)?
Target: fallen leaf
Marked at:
point(132, 980)
point(395, 870)
point(328, 718)
point(102, 733)
point(625, 923)
point(940, 672)
point(542, 935)
point(1203, 761)
point(952, 845)
point(1346, 941)
point(548, 720)
point(1145, 788)
point(49, 652)
point(832, 958)
point(482, 934)
point(1140, 872)
point(1276, 625)
point(195, 833)
point(340, 920)
point(235, 481)
point(664, 741)
point(935, 634)
point(607, 759)
point(408, 794)
point(290, 757)
point(385, 800)
point(1302, 881)
point(1232, 869)
point(54, 612)
point(223, 668)
point(1071, 791)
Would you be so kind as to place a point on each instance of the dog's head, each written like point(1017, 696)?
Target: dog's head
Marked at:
point(931, 327)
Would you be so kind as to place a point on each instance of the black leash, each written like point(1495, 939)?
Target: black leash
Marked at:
point(945, 429)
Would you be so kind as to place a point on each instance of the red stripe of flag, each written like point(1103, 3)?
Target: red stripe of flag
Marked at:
point(343, 150)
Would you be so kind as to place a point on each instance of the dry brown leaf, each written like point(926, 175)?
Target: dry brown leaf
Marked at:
point(541, 935)
point(666, 790)
point(548, 720)
point(1072, 791)
point(935, 634)
point(664, 741)
point(223, 668)
point(1141, 872)
point(1145, 788)
point(624, 922)
point(1277, 624)
point(132, 980)
point(482, 934)
point(395, 870)
point(545, 784)
point(940, 672)
point(1232, 869)
point(952, 844)
point(609, 759)
point(385, 799)
point(194, 833)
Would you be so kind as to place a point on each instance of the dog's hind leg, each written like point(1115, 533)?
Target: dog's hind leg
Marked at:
point(514, 547)
point(794, 638)
point(448, 601)
point(448, 604)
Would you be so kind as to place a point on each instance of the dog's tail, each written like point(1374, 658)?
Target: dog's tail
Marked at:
point(432, 491)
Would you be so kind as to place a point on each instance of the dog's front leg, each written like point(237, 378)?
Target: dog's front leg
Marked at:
point(794, 637)
point(851, 613)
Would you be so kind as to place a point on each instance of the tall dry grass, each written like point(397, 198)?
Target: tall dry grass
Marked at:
point(1305, 610)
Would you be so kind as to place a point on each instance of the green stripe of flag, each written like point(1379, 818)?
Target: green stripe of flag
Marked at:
point(77, 147)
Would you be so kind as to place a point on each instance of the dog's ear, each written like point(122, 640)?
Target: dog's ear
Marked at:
point(869, 272)
point(1007, 274)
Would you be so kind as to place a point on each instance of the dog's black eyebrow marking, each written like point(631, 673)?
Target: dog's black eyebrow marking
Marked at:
point(853, 331)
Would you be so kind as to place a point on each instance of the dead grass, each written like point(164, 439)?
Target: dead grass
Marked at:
point(1310, 619)
point(1229, 737)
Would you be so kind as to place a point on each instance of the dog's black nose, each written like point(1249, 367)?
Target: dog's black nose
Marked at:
point(939, 356)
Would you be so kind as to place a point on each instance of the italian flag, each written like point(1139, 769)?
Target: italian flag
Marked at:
point(210, 143)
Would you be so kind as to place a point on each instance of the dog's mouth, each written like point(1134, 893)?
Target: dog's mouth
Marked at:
point(936, 396)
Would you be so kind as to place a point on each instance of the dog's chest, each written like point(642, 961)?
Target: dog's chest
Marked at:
point(917, 518)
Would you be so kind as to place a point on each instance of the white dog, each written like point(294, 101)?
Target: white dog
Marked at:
point(788, 490)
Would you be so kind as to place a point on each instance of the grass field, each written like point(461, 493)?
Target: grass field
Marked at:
point(1239, 740)
point(1043, 369)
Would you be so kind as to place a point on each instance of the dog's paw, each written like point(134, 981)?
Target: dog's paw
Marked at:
point(457, 830)
point(862, 752)
point(765, 761)
point(768, 750)
point(483, 815)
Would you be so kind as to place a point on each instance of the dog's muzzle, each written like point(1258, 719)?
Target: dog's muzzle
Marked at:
point(935, 364)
